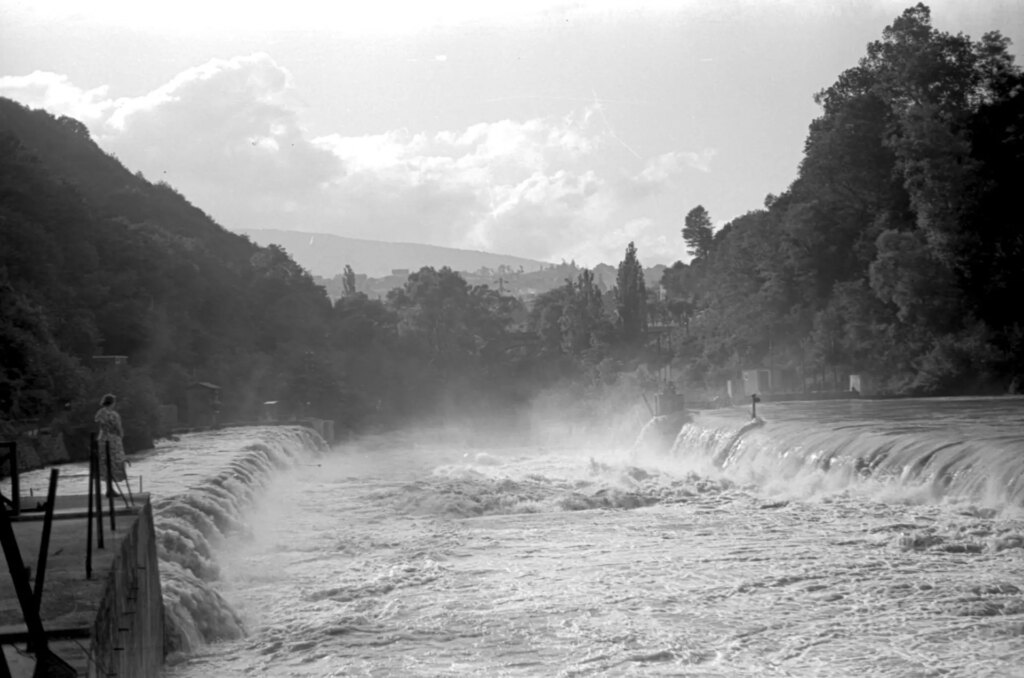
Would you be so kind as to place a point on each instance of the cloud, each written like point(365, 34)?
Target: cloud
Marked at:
point(702, 160)
point(53, 92)
point(494, 186)
point(220, 131)
point(228, 135)
point(224, 128)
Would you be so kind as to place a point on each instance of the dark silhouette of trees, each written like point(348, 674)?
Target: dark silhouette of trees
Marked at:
point(348, 281)
point(631, 297)
point(896, 252)
point(697, 233)
point(891, 251)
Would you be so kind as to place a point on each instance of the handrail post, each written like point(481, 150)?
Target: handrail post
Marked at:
point(44, 541)
point(12, 459)
point(22, 587)
point(110, 488)
point(88, 519)
point(99, 502)
point(5, 670)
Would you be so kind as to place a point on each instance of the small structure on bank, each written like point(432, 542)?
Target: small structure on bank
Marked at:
point(202, 404)
point(271, 411)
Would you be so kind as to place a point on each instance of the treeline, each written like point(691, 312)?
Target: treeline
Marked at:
point(898, 252)
point(97, 261)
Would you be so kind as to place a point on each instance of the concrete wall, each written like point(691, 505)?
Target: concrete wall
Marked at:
point(128, 634)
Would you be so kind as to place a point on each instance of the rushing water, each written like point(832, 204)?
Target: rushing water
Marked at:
point(857, 538)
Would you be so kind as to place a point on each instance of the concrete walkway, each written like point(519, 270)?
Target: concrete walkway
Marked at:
point(70, 600)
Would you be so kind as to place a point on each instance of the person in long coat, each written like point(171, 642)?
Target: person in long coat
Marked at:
point(111, 434)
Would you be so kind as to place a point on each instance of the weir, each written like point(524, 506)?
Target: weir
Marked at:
point(946, 459)
point(149, 593)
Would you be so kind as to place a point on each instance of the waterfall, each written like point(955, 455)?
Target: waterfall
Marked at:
point(951, 462)
point(190, 526)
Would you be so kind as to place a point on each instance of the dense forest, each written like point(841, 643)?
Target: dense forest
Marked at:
point(895, 253)
point(898, 251)
point(97, 261)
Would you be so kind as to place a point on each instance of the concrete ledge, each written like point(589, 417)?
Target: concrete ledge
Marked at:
point(94, 623)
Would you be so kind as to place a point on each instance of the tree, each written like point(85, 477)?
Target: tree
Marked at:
point(546, 314)
point(683, 292)
point(698, 233)
point(447, 319)
point(631, 296)
point(349, 282)
point(582, 315)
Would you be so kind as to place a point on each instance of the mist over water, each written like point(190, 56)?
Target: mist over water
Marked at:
point(774, 552)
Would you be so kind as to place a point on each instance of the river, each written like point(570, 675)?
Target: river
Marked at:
point(852, 538)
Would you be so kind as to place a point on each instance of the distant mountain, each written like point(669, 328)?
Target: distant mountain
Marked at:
point(326, 255)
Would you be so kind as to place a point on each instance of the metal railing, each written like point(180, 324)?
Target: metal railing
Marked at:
point(29, 597)
point(11, 457)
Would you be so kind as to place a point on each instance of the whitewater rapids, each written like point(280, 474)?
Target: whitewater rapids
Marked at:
point(863, 552)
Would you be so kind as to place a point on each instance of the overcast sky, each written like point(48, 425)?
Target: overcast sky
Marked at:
point(543, 129)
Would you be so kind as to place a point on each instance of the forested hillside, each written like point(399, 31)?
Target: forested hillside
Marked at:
point(97, 261)
point(898, 251)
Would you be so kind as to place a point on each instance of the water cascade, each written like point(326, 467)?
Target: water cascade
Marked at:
point(189, 526)
point(944, 462)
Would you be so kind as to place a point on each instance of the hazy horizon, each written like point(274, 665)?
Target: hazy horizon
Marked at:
point(545, 130)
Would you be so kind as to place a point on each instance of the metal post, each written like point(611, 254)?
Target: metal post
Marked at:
point(12, 459)
point(130, 501)
point(99, 503)
point(44, 542)
point(110, 489)
point(88, 521)
point(15, 479)
point(754, 400)
point(5, 670)
point(21, 584)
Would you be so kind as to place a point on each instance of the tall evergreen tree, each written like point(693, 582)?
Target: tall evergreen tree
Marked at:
point(631, 296)
point(698, 233)
point(349, 282)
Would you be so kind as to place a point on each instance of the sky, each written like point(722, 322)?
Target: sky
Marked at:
point(553, 130)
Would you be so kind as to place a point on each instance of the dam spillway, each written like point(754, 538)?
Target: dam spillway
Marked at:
point(422, 555)
point(152, 592)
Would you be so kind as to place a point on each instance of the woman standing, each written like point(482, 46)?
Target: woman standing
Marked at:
point(109, 438)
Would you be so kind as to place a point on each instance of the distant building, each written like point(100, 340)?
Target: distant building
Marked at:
point(271, 411)
point(862, 384)
point(202, 404)
point(400, 271)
